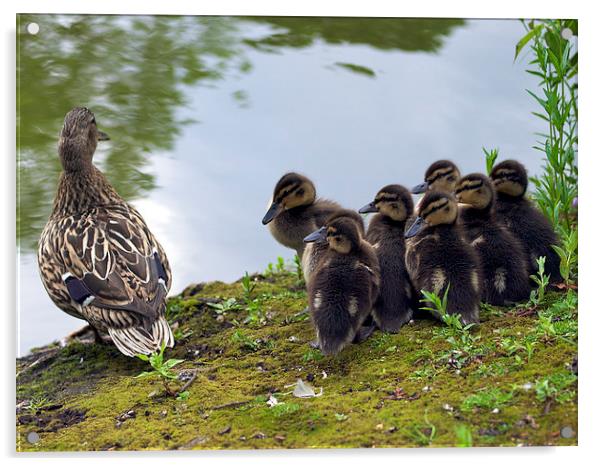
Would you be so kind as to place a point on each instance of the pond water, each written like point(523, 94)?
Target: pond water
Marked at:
point(206, 113)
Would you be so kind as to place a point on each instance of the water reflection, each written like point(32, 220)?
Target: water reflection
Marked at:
point(131, 71)
point(206, 113)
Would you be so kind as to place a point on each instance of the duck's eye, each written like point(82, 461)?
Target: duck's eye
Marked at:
point(447, 209)
point(451, 178)
point(300, 192)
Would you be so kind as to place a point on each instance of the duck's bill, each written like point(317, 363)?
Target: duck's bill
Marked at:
point(318, 236)
point(420, 188)
point(274, 210)
point(368, 209)
point(102, 136)
point(415, 228)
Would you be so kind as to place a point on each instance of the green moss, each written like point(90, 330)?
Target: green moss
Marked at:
point(393, 390)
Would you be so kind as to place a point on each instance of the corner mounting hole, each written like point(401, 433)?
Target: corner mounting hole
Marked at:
point(33, 28)
point(566, 33)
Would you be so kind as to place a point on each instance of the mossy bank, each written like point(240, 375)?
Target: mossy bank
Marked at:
point(510, 381)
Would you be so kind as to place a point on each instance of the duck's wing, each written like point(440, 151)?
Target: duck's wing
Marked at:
point(112, 262)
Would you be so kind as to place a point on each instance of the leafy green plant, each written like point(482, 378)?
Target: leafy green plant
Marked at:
point(37, 403)
point(181, 334)
point(422, 434)
point(340, 417)
point(280, 264)
point(490, 158)
point(269, 271)
point(161, 368)
point(559, 387)
point(435, 304)
point(284, 409)
point(541, 280)
point(255, 313)
point(463, 436)
point(244, 341)
point(312, 354)
point(228, 305)
point(568, 256)
point(555, 63)
point(487, 399)
point(298, 268)
point(248, 285)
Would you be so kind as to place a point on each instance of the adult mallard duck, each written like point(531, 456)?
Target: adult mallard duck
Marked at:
point(98, 260)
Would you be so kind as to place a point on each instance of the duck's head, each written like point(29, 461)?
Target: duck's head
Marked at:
point(393, 201)
point(341, 233)
point(319, 236)
point(510, 177)
point(436, 208)
point(476, 190)
point(440, 176)
point(78, 139)
point(292, 190)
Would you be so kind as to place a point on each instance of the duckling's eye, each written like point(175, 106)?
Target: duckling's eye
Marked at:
point(451, 178)
point(447, 209)
point(300, 192)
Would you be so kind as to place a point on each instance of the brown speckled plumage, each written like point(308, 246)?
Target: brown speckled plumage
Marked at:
point(98, 240)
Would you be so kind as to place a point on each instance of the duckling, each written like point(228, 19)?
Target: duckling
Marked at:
point(344, 286)
point(442, 175)
point(97, 258)
point(523, 219)
point(503, 260)
point(315, 250)
point(295, 212)
point(437, 256)
point(393, 205)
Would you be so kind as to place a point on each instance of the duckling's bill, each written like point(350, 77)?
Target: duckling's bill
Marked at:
point(420, 188)
point(318, 236)
point(102, 136)
point(418, 225)
point(368, 209)
point(274, 210)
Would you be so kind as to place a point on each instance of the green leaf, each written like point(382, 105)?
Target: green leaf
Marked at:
point(526, 39)
point(172, 362)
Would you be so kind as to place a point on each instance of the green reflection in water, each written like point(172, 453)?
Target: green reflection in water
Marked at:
point(134, 72)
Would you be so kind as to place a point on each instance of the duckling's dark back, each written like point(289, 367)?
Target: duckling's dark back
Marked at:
point(341, 294)
point(533, 230)
point(439, 256)
point(503, 259)
point(393, 307)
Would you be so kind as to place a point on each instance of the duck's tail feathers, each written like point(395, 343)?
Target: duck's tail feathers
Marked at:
point(137, 340)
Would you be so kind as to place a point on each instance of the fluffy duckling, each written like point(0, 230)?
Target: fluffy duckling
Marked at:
point(503, 259)
point(442, 175)
point(344, 286)
point(314, 250)
point(437, 256)
point(98, 260)
point(393, 205)
point(523, 219)
point(295, 212)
